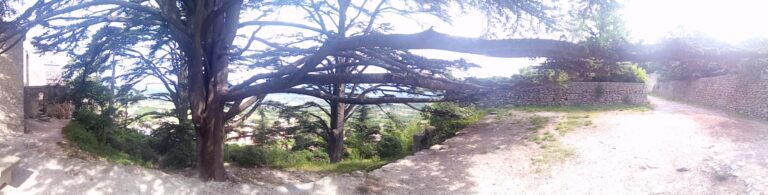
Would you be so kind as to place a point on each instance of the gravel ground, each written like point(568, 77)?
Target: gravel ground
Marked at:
point(674, 149)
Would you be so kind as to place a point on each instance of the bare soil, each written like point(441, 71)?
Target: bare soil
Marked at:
point(674, 149)
point(49, 165)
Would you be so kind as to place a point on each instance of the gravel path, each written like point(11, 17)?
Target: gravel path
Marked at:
point(674, 149)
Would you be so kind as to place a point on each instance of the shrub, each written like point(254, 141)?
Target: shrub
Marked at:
point(389, 146)
point(251, 156)
point(176, 145)
point(97, 124)
point(449, 118)
point(305, 141)
point(76, 133)
point(131, 142)
point(88, 142)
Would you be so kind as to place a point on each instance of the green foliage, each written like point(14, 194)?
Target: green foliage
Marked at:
point(97, 124)
point(250, 156)
point(573, 121)
point(344, 166)
point(357, 149)
point(89, 89)
point(305, 141)
point(406, 136)
point(389, 146)
point(77, 134)
point(604, 36)
point(132, 143)
point(449, 118)
point(175, 143)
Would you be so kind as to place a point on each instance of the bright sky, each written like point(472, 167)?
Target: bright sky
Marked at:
point(731, 21)
point(648, 20)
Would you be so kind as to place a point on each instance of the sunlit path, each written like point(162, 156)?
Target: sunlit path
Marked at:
point(674, 149)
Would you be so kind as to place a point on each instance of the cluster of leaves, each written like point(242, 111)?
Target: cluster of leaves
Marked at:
point(265, 156)
point(175, 145)
point(449, 118)
point(170, 146)
point(605, 39)
point(96, 134)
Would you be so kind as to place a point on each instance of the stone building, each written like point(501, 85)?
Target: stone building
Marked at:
point(11, 91)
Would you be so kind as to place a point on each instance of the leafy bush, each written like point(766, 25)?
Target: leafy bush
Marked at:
point(245, 156)
point(251, 156)
point(87, 141)
point(389, 146)
point(176, 145)
point(132, 143)
point(76, 133)
point(449, 118)
point(98, 125)
point(306, 141)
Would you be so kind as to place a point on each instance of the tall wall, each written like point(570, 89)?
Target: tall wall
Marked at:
point(11, 91)
point(574, 93)
point(742, 94)
point(40, 97)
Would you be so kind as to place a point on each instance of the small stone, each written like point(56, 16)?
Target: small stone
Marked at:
point(682, 169)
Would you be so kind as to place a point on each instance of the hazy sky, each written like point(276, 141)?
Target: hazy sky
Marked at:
point(648, 20)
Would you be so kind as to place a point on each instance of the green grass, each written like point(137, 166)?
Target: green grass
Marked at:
point(551, 154)
point(345, 166)
point(537, 122)
point(573, 121)
point(80, 138)
point(579, 109)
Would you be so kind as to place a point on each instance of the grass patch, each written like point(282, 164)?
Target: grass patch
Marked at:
point(578, 109)
point(345, 166)
point(551, 154)
point(537, 122)
point(573, 121)
point(501, 112)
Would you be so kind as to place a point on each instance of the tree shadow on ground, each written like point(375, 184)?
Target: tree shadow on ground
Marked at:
point(452, 170)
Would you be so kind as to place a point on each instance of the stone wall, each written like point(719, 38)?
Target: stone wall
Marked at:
point(37, 99)
point(11, 91)
point(574, 93)
point(742, 94)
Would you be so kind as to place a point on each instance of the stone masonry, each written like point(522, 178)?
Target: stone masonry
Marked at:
point(11, 91)
point(574, 93)
point(743, 94)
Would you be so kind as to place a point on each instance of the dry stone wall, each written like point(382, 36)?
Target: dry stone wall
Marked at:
point(11, 91)
point(744, 94)
point(574, 93)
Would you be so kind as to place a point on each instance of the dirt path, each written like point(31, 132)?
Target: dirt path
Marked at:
point(674, 149)
point(48, 168)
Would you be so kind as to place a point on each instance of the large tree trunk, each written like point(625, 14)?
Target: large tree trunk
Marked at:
point(335, 141)
point(210, 145)
point(207, 52)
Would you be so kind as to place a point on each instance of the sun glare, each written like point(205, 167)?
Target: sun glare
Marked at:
point(727, 20)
